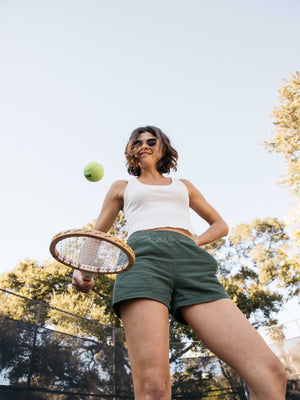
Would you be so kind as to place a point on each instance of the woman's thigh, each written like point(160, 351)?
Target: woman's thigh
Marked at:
point(146, 325)
point(225, 331)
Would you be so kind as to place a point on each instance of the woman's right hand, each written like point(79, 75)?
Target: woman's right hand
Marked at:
point(79, 283)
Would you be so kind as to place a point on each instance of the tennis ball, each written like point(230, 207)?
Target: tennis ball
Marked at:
point(93, 171)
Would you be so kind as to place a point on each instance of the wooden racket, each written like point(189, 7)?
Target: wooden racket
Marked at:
point(92, 252)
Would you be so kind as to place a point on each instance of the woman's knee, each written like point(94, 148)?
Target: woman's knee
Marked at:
point(276, 371)
point(157, 388)
point(154, 385)
point(270, 380)
point(279, 373)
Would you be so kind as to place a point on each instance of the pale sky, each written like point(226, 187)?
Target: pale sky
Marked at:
point(76, 77)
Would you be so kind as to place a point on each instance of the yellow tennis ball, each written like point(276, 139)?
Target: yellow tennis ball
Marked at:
point(93, 171)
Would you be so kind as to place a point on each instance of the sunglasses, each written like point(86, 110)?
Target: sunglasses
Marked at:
point(150, 142)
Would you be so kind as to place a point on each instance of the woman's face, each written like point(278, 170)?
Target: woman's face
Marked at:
point(147, 149)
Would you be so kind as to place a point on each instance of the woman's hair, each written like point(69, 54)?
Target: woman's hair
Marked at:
point(169, 157)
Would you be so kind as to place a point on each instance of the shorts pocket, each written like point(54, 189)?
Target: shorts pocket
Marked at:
point(210, 259)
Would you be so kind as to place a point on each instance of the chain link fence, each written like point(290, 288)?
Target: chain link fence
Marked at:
point(284, 340)
point(39, 362)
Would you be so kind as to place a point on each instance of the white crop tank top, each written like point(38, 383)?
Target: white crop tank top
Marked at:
point(156, 206)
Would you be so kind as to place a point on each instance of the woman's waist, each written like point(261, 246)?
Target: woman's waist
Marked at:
point(180, 225)
point(183, 231)
point(162, 234)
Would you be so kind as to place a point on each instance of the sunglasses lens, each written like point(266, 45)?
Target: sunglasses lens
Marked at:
point(151, 142)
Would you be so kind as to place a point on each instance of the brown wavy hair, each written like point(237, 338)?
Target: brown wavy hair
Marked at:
point(169, 157)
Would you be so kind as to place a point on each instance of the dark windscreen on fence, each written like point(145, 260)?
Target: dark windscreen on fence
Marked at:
point(46, 364)
point(38, 362)
point(41, 361)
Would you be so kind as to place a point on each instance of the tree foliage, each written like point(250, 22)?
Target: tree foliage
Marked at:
point(286, 141)
point(202, 376)
point(255, 267)
point(286, 134)
point(50, 282)
point(292, 220)
point(62, 366)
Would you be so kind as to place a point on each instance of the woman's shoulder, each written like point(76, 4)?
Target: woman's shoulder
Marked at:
point(185, 181)
point(117, 189)
point(120, 183)
point(190, 187)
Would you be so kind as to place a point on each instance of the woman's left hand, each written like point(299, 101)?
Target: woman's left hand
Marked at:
point(196, 239)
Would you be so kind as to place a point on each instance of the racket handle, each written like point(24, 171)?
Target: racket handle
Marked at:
point(86, 276)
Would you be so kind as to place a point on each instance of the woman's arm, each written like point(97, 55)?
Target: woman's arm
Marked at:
point(112, 204)
point(218, 227)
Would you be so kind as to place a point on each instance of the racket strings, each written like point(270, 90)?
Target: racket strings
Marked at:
point(90, 254)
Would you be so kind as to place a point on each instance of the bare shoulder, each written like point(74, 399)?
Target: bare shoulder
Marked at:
point(194, 193)
point(185, 181)
point(117, 189)
point(119, 184)
point(188, 184)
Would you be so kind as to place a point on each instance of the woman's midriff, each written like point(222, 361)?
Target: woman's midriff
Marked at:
point(179, 230)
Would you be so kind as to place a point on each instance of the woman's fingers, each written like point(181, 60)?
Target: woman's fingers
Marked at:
point(80, 284)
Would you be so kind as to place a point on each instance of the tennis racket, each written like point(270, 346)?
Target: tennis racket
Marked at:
point(92, 252)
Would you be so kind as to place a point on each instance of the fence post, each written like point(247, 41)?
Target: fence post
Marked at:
point(114, 362)
point(247, 394)
point(33, 350)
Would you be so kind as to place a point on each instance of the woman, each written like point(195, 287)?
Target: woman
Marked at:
point(172, 274)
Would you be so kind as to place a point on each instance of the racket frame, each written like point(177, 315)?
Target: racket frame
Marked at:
point(93, 234)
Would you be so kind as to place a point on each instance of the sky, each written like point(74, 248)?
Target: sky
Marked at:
point(77, 77)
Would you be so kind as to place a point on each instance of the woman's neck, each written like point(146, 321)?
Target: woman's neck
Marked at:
point(153, 178)
point(150, 175)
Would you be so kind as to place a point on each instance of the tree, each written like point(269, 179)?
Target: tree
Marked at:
point(292, 220)
point(46, 358)
point(286, 134)
point(34, 357)
point(254, 265)
point(286, 141)
point(50, 283)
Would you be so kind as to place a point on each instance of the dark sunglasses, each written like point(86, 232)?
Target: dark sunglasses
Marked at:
point(150, 142)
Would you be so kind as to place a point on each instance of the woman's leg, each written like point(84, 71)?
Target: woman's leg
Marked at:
point(146, 324)
point(224, 330)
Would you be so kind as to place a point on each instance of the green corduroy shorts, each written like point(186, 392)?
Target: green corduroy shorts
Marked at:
point(170, 268)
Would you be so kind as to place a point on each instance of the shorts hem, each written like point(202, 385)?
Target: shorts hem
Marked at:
point(117, 302)
point(180, 319)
